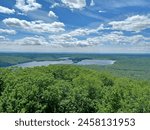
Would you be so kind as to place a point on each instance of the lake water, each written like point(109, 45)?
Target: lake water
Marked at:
point(96, 62)
point(83, 62)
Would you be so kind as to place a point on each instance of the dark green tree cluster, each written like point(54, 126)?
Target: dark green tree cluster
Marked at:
point(66, 88)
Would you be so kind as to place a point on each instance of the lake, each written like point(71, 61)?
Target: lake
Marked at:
point(83, 62)
point(96, 62)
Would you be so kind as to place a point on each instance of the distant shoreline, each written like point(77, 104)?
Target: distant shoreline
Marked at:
point(75, 53)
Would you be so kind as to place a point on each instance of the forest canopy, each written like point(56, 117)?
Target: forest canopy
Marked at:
point(68, 88)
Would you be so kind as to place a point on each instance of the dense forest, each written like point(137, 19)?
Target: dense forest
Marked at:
point(68, 88)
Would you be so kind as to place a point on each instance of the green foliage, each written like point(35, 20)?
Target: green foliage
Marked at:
point(1, 85)
point(67, 88)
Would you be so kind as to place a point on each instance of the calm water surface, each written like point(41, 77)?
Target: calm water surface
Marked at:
point(83, 62)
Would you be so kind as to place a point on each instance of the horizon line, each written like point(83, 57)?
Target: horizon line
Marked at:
point(76, 52)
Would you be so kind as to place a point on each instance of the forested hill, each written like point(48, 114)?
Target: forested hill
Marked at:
point(67, 88)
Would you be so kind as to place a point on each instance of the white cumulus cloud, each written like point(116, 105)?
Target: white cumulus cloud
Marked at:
point(111, 39)
point(86, 31)
point(37, 40)
point(7, 31)
point(35, 26)
point(2, 38)
point(118, 38)
point(92, 3)
point(27, 5)
point(55, 5)
point(135, 23)
point(51, 14)
point(74, 4)
point(66, 40)
point(6, 10)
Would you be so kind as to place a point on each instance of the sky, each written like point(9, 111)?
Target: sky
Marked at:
point(83, 26)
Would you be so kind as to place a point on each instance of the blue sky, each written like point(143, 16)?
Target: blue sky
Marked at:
point(88, 26)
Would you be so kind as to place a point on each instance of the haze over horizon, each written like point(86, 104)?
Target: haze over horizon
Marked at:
point(82, 26)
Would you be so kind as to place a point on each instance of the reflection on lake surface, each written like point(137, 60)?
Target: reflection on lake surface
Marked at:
point(83, 62)
point(44, 63)
point(96, 62)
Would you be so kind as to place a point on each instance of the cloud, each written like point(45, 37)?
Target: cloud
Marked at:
point(72, 38)
point(37, 40)
point(2, 38)
point(81, 32)
point(8, 31)
point(101, 11)
point(135, 23)
point(92, 3)
point(63, 40)
point(77, 37)
point(110, 39)
point(20, 13)
point(35, 26)
point(51, 14)
point(74, 4)
point(66, 40)
point(54, 5)
point(6, 10)
point(69, 41)
point(30, 6)
point(118, 38)
point(25, 41)
point(85, 31)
